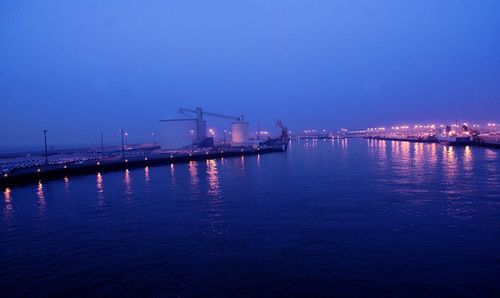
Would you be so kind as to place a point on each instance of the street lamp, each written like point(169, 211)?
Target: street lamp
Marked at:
point(123, 148)
point(192, 139)
point(46, 153)
point(153, 134)
point(225, 131)
point(102, 143)
point(126, 139)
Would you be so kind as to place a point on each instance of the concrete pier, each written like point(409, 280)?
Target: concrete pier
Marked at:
point(52, 171)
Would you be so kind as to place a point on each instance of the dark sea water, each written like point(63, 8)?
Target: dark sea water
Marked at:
point(326, 218)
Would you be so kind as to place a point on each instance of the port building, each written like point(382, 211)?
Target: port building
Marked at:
point(181, 131)
point(187, 129)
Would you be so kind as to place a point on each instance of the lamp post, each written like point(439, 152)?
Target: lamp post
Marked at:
point(153, 134)
point(212, 134)
point(192, 139)
point(102, 143)
point(46, 153)
point(225, 131)
point(123, 148)
point(126, 139)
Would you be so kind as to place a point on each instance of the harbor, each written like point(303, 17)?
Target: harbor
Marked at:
point(204, 219)
point(465, 134)
point(184, 137)
point(113, 163)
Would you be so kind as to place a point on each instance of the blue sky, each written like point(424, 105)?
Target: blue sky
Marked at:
point(81, 67)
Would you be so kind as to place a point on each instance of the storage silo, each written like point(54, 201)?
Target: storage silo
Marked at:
point(240, 133)
point(178, 131)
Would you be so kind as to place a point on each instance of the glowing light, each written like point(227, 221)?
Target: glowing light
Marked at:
point(193, 173)
point(38, 170)
point(98, 163)
point(128, 184)
point(40, 195)
point(213, 179)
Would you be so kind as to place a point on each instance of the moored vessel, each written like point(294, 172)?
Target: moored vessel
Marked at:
point(456, 136)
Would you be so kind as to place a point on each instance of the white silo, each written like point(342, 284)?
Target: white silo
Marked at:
point(240, 133)
point(178, 131)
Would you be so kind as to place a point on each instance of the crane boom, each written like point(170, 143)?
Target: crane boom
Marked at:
point(240, 118)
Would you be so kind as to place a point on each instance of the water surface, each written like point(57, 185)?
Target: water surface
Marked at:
point(352, 217)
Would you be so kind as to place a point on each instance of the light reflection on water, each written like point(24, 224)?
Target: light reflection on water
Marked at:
point(418, 155)
point(401, 166)
point(411, 164)
point(172, 174)
point(127, 180)
point(433, 157)
point(242, 163)
point(379, 152)
point(41, 198)
point(8, 209)
point(147, 179)
point(344, 142)
point(449, 164)
point(213, 178)
point(216, 207)
point(492, 168)
point(490, 154)
point(66, 186)
point(427, 195)
point(468, 162)
point(193, 174)
point(100, 190)
point(146, 174)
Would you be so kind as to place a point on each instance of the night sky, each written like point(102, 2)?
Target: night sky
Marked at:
point(78, 68)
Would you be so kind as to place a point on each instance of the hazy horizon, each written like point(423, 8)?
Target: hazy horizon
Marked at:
point(79, 68)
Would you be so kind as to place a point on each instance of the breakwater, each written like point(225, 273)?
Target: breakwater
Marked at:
point(53, 171)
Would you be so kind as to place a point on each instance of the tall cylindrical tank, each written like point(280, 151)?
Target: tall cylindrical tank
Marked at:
point(178, 132)
point(240, 133)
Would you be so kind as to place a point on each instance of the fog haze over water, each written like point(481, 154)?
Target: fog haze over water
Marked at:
point(78, 68)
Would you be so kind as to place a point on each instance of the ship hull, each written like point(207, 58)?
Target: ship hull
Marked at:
point(455, 141)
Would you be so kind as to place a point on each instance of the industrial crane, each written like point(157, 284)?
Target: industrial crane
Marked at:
point(199, 112)
point(284, 131)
